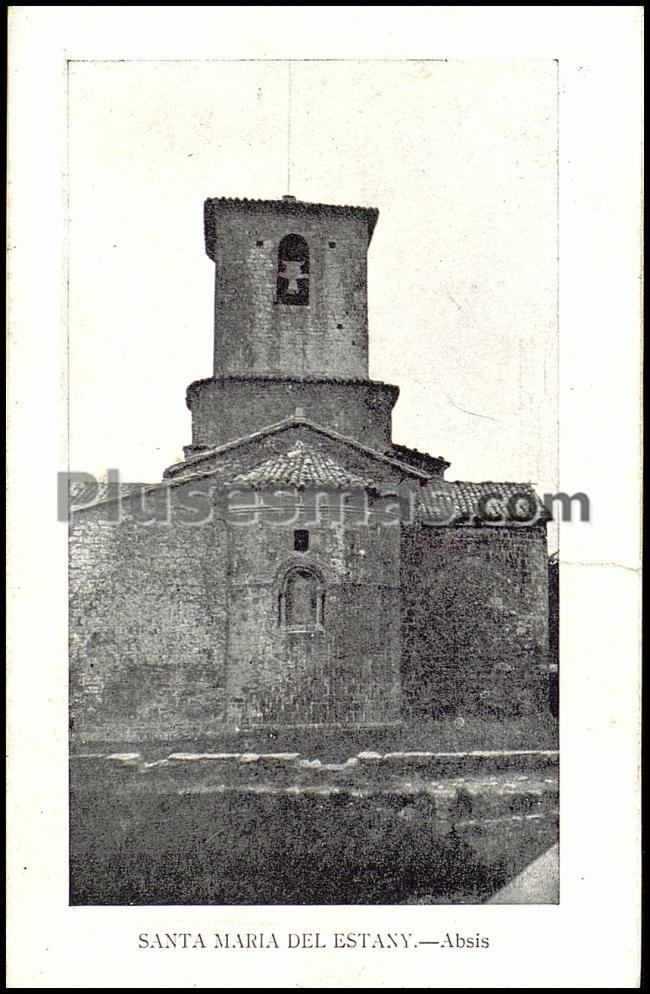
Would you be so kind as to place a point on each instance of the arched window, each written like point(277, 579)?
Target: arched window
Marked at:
point(293, 270)
point(302, 600)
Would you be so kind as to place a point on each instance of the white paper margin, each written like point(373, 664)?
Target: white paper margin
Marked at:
point(592, 938)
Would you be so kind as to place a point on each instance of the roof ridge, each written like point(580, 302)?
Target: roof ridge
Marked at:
point(493, 483)
point(287, 378)
point(296, 202)
point(283, 206)
point(175, 471)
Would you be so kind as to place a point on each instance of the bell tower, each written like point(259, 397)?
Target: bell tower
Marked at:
point(290, 322)
point(290, 287)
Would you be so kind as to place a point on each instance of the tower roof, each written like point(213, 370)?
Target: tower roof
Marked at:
point(288, 206)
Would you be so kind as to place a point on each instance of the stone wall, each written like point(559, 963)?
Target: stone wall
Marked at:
point(148, 617)
point(346, 668)
point(177, 628)
point(474, 621)
point(170, 620)
point(229, 408)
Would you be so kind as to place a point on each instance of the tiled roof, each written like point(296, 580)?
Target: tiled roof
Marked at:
point(440, 502)
point(458, 501)
point(206, 458)
point(421, 460)
point(284, 206)
point(301, 466)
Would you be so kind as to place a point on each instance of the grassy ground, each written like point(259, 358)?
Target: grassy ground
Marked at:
point(444, 843)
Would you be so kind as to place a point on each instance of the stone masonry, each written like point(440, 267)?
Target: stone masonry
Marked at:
point(299, 568)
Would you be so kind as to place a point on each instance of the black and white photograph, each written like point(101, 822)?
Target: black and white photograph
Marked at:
point(308, 664)
point(325, 671)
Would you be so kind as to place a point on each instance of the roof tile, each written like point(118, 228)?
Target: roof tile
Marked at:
point(459, 501)
point(301, 466)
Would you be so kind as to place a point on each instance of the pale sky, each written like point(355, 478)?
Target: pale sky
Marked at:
point(460, 159)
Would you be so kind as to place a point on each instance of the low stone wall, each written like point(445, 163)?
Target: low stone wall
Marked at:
point(281, 828)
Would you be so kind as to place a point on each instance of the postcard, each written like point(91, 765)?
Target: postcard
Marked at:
point(324, 638)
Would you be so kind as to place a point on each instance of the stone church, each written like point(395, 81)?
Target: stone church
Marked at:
point(298, 567)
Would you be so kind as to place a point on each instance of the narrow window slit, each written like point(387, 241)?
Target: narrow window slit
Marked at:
point(301, 540)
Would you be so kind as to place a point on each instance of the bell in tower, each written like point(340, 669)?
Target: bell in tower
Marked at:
point(290, 322)
point(293, 271)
